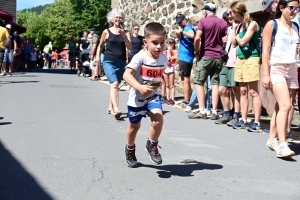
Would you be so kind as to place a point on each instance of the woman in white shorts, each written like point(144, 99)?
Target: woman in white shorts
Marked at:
point(169, 71)
point(279, 70)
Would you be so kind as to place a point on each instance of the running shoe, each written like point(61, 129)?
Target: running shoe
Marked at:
point(233, 122)
point(152, 150)
point(241, 125)
point(223, 120)
point(214, 116)
point(254, 128)
point(9, 74)
point(284, 151)
point(130, 156)
point(272, 145)
point(3, 74)
point(197, 115)
point(188, 109)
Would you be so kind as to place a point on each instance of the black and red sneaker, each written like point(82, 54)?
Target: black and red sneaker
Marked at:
point(130, 156)
point(152, 150)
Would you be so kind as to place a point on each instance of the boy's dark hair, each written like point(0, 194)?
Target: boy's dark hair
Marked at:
point(154, 28)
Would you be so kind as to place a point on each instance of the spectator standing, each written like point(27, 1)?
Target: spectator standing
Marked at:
point(270, 7)
point(280, 71)
point(210, 32)
point(72, 52)
point(247, 67)
point(33, 59)
point(4, 35)
point(137, 42)
point(46, 51)
point(185, 54)
point(95, 43)
point(227, 84)
point(169, 75)
point(28, 51)
point(54, 59)
point(9, 55)
point(117, 40)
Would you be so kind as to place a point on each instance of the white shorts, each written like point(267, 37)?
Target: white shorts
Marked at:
point(285, 73)
point(169, 69)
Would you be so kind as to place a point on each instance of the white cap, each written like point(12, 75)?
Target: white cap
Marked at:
point(8, 26)
point(50, 42)
point(209, 7)
point(90, 36)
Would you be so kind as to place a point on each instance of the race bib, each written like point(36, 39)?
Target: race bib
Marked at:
point(152, 73)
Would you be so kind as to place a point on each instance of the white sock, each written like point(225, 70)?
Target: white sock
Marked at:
point(214, 111)
point(245, 121)
point(258, 123)
point(202, 111)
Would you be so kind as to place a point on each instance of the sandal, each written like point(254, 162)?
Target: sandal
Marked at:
point(116, 114)
point(110, 111)
point(94, 79)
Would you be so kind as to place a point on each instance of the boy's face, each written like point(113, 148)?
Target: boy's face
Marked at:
point(155, 44)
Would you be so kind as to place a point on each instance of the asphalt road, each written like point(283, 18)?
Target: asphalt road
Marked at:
point(58, 142)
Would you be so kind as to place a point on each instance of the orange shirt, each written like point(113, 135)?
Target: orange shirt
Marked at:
point(54, 55)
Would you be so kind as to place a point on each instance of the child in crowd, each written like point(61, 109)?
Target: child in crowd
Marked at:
point(144, 74)
point(169, 71)
point(33, 59)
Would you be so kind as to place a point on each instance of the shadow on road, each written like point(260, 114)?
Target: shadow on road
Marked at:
point(5, 123)
point(182, 170)
point(13, 82)
point(66, 71)
point(15, 181)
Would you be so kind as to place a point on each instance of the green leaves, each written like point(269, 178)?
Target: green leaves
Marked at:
point(58, 21)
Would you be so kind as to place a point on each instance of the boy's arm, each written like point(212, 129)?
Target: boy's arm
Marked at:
point(128, 77)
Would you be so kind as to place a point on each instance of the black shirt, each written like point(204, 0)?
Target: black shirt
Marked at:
point(137, 43)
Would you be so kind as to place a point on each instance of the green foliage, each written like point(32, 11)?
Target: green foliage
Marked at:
point(58, 21)
point(37, 9)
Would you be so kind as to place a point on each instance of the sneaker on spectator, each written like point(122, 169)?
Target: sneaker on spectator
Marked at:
point(152, 150)
point(130, 156)
point(170, 102)
point(284, 151)
point(289, 136)
point(233, 121)
point(266, 131)
point(198, 115)
point(188, 109)
point(223, 120)
point(272, 145)
point(3, 74)
point(9, 74)
point(241, 125)
point(214, 116)
point(164, 100)
point(254, 128)
point(208, 112)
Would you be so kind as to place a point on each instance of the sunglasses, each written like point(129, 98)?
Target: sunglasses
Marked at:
point(293, 8)
point(136, 28)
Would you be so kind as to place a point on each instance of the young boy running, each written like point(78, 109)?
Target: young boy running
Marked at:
point(144, 74)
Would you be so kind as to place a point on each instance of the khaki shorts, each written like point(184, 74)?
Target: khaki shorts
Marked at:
point(205, 67)
point(285, 73)
point(247, 70)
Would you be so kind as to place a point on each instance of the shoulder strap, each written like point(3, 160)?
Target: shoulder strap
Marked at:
point(275, 28)
point(296, 26)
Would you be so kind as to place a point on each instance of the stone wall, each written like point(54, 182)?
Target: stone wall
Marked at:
point(164, 11)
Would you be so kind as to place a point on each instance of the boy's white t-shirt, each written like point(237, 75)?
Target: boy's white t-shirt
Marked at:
point(146, 69)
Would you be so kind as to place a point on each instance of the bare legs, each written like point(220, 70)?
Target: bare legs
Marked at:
point(114, 96)
point(252, 87)
point(169, 82)
point(187, 90)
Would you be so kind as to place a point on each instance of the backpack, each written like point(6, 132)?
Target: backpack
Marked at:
point(274, 32)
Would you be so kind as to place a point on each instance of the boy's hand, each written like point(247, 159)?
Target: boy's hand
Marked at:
point(146, 90)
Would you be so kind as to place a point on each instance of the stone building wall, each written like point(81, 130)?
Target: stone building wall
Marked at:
point(9, 6)
point(164, 11)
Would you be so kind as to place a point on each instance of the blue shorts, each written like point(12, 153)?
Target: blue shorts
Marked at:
point(135, 114)
point(114, 70)
point(101, 59)
point(8, 57)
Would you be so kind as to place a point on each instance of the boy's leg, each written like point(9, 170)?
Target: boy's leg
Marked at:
point(131, 133)
point(156, 116)
point(157, 119)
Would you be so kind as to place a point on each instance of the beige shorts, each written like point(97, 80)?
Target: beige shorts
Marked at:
point(285, 73)
point(247, 70)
